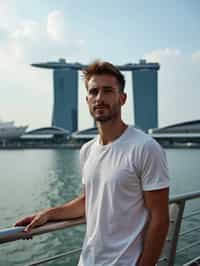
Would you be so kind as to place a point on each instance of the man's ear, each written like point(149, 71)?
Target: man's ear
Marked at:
point(123, 97)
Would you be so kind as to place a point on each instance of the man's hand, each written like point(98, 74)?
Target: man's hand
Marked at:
point(70, 210)
point(32, 221)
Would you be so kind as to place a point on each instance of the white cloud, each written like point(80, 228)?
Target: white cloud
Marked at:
point(26, 92)
point(8, 19)
point(163, 54)
point(56, 25)
point(31, 40)
point(28, 29)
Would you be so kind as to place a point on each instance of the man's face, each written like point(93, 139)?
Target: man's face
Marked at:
point(104, 98)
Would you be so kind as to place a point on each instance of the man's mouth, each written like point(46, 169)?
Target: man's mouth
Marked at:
point(99, 107)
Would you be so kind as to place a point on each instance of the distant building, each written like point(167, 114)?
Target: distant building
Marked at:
point(8, 130)
point(189, 127)
point(186, 132)
point(85, 135)
point(41, 137)
point(181, 132)
point(65, 107)
point(145, 96)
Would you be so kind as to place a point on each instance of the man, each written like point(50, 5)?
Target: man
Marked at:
point(125, 179)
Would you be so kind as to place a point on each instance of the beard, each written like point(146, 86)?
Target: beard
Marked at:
point(108, 113)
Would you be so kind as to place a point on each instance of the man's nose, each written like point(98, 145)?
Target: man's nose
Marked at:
point(100, 96)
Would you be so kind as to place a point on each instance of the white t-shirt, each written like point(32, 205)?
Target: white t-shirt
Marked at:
point(115, 176)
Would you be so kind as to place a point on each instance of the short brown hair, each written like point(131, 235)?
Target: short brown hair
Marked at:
point(101, 68)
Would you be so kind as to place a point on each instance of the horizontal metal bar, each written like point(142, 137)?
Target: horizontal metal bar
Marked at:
point(163, 259)
point(191, 214)
point(189, 231)
point(53, 226)
point(184, 197)
point(55, 257)
point(188, 247)
point(49, 227)
point(193, 262)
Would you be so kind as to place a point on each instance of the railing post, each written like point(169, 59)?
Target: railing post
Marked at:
point(169, 251)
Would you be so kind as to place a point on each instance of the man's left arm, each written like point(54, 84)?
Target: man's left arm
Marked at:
point(156, 202)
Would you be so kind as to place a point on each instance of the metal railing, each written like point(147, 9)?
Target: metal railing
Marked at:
point(177, 207)
point(11, 235)
point(167, 258)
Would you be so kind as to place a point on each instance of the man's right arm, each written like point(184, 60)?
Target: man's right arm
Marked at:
point(70, 210)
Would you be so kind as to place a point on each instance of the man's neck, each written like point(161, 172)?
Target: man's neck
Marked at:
point(111, 130)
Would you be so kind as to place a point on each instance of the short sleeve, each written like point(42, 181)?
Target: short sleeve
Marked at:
point(154, 170)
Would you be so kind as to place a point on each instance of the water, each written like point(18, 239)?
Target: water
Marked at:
point(32, 180)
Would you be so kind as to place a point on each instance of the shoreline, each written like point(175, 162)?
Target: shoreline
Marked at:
point(22, 146)
point(41, 146)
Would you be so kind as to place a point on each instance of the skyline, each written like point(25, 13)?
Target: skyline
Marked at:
point(166, 33)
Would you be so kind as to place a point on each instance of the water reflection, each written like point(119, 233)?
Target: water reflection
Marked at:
point(184, 169)
point(63, 183)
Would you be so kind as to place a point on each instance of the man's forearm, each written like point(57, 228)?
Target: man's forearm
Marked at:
point(70, 210)
point(153, 242)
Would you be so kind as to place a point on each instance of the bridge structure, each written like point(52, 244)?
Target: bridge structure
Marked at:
point(65, 85)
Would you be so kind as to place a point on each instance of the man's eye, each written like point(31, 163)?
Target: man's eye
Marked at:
point(93, 92)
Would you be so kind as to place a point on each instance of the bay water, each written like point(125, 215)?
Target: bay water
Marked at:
point(31, 180)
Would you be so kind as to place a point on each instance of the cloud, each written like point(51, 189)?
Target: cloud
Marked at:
point(31, 40)
point(163, 54)
point(56, 26)
point(28, 29)
point(26, 92)
point(178, 85)
point(8, 18)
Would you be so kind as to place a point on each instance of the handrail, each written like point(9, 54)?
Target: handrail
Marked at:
point(184, 196)
point(48, 227)
point(177, 205)
point(52, 226)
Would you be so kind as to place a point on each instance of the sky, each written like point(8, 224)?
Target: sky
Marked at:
point(122, 32)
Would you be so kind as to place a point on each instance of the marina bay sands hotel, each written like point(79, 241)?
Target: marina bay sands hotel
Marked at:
point(65, 84)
